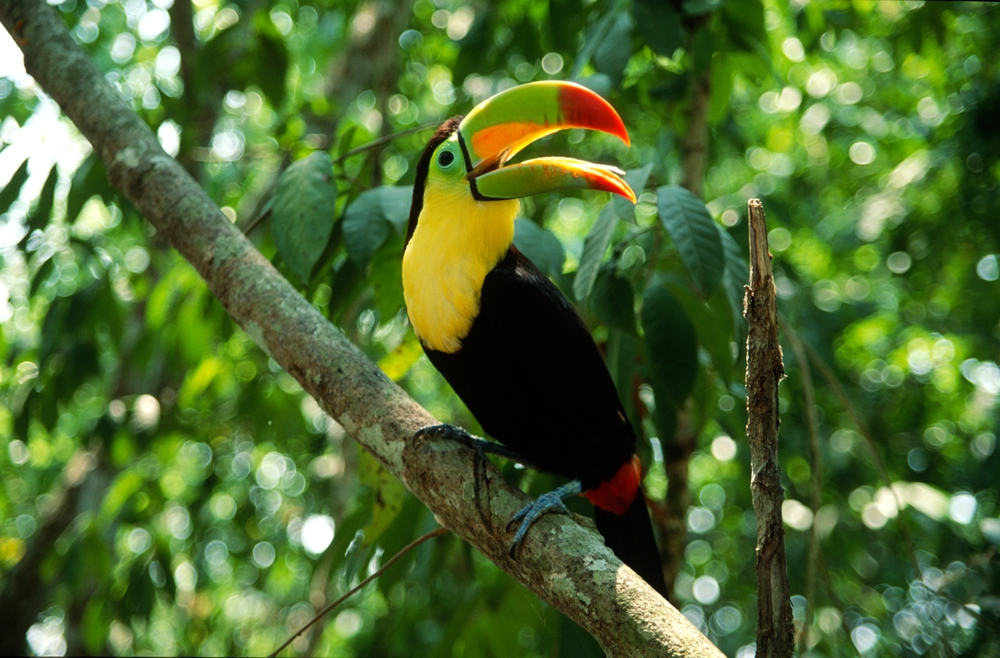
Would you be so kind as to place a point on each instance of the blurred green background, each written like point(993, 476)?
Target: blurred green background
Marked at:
point(168, 489)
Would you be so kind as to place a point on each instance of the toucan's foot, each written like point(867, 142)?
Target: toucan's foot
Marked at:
point(549, 502)
point(482, 446)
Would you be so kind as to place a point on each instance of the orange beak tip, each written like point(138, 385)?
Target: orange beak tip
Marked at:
point(583, 107)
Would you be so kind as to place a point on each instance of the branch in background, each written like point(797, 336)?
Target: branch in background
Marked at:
point(669, 516)
point(775, 625)
point(832, 593)
point(23, 594)
point(845, 402)
point(385, 140)
point(257, 220)
point(357, 588)
point(203, 113)
point(903, 524)
point(812, 427)
point(561, 562)
point(694, 145)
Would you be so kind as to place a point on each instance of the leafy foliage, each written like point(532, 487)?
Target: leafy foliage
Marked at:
point(219, 507)
point(303, 212)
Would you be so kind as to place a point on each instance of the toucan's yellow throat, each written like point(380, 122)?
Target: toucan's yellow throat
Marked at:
point(465, 197)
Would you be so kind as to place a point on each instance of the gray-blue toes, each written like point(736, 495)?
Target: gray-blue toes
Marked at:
point(548, 502)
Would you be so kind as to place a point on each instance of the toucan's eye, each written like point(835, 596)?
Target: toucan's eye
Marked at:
point(446, 158)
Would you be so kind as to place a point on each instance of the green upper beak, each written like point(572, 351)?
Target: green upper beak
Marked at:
point(496, 129)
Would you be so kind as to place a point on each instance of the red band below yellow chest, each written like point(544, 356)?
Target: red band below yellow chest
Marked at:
point(616, 495)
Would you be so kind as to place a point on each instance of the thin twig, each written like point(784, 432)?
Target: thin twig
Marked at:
point(406, 549)
point(353, 181)
point(859, 422)
point(261, 217)
point(902, 524)
point(812, 426)
point(832, 593)
point(385, 140)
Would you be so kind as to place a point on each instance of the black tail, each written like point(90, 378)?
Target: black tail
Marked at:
point(630, 537)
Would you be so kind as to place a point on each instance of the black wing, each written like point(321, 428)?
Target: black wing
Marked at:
point(531, 374)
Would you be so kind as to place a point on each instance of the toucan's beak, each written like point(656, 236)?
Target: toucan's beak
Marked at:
point(496, 129)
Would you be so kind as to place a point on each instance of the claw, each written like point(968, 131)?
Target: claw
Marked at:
point(482, 446)
point(447, 432)
point(548, 502)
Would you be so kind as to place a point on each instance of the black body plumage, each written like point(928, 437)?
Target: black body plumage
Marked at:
point(532, 376)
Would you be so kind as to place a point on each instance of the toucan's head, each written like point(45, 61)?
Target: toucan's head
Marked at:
point(469, 156)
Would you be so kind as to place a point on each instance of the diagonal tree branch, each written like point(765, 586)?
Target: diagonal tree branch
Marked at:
point(562, 562)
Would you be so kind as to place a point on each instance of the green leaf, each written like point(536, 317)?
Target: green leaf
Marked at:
point(10, 191)
point(594, 246)
point(704, 48)
point(709, 318)
point(613, 301)
point(386, 278)
point(598, 83)
point(344, 288)
point(397, 363)
point(39, 218)
point(22, 418)
point(199, 379)
point(41, 276)
point(48, 411)
point(735, 277)
point(592, 38)
point(659, 25)
point(722, 85)
point(694, 233)
point(674, 88)
point(121, 490)
point(745, 19)
point(82, 361)
point(271, 56)
point(141, 593)
point(303, 212)
point(671, 342)
point(389, 495)
point(619, 356)
point(565, 21)
point(344, 144)
point(636, 179)
point(614, 50)
point(540, 246)
point(96, 622)
point(412, 520)
point(90, 179)
point(699, 7)
point(369, 219)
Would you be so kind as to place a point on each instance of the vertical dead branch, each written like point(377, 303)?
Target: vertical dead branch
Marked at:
point(775, 629)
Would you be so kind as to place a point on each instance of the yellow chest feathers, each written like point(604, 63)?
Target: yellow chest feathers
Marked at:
point(457, 241)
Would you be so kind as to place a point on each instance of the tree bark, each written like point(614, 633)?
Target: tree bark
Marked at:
point(775, 627)
point(562, 562)
point(694, 145)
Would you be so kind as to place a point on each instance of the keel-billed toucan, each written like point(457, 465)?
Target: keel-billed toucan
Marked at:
point(506, 339)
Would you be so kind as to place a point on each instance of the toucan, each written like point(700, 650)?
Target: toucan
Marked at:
point(509, 343)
